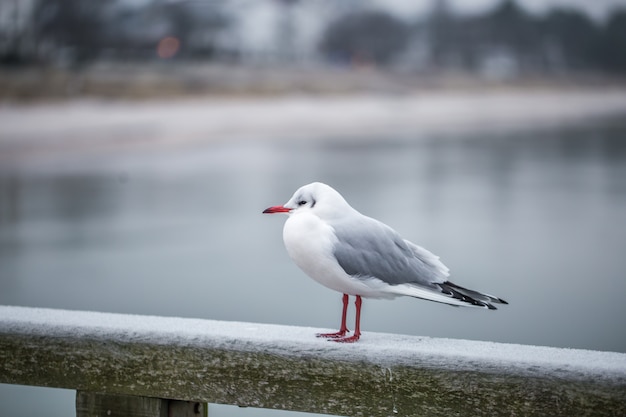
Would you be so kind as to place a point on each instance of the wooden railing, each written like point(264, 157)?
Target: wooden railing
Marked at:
point(155, 366)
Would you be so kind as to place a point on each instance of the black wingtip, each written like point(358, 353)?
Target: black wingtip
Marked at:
point(470, 296)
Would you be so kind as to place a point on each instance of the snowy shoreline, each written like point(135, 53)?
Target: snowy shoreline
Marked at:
point(99, 125)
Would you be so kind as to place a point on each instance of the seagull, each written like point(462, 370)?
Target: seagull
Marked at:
point(360, 256)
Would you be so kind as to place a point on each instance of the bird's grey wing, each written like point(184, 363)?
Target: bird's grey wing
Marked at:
point(429, 259)
point(366, 248)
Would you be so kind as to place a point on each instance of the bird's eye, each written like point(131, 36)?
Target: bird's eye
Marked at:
point(301, 202)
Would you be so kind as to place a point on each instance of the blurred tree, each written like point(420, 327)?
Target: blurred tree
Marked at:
point(444, 33)
point(368, 37)
point(70, 29)
point(570, 39)
point(182, 24)
point(198, 25)
point(613, 46)
point(508, 27)
point(15, 45)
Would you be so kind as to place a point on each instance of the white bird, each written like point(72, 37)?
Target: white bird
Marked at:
point(357, 255)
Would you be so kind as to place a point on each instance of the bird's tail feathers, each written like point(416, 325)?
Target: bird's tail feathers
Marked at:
point(432, 294)
point(446, 293)
point(470, 297)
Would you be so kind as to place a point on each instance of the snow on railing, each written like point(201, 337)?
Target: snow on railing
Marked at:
point(136, 365)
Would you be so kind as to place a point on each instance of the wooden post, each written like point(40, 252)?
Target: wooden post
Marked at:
point(93, 404)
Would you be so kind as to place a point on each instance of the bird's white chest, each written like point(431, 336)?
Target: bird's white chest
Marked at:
point(309, 242)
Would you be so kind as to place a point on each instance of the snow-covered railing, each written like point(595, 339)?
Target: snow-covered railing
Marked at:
point(132, 364)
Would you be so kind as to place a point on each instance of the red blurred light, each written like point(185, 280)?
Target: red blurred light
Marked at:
point(168, 47)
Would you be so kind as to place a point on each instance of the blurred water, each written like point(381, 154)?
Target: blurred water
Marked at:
point(537, 217)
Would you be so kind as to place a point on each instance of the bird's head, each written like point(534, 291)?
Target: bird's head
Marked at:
point(317, 198)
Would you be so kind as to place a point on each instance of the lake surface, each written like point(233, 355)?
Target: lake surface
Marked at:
point(535, 216)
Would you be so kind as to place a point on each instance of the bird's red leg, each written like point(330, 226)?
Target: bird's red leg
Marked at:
point(344, 328)
point(357, 324)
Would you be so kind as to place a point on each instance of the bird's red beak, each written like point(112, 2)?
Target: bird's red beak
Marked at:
point(276, 209)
